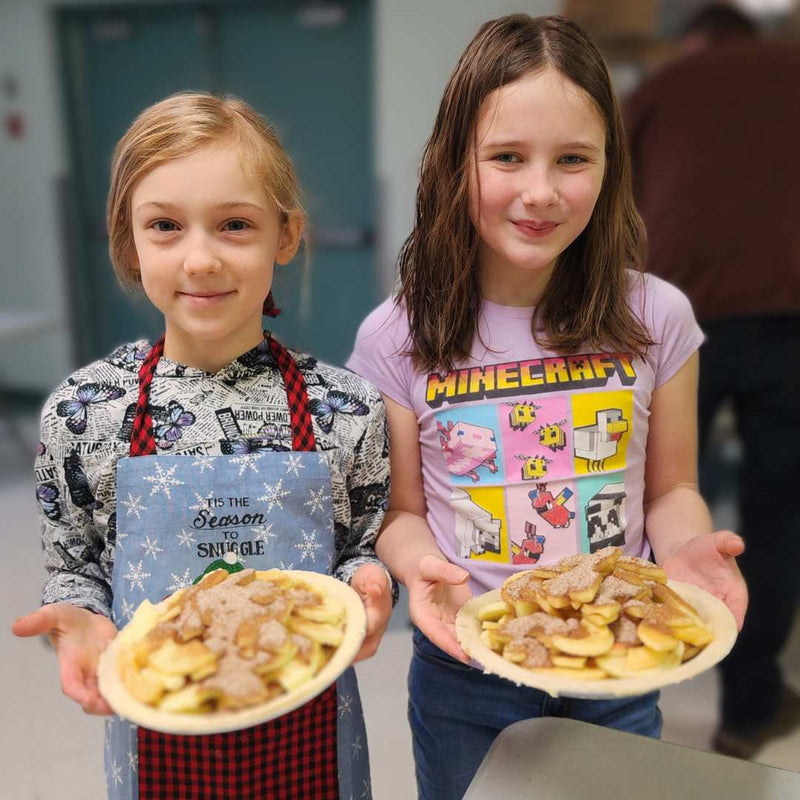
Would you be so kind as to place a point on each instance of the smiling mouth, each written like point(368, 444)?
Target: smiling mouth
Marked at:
point(535, 229)
point(205, 295)
point(204, 300)
point(536, 226)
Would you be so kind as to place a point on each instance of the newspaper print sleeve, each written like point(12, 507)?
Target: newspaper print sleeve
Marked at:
point(72, 545)
point(368, 493)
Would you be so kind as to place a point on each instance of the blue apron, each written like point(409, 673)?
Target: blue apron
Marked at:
point(179, 517)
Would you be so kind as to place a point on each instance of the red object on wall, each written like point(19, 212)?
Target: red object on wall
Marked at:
point(15, 125)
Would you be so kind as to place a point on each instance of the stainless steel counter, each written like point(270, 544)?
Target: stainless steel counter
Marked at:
point(562, 759)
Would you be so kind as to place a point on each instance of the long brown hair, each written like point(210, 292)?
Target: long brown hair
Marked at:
point(586, 298)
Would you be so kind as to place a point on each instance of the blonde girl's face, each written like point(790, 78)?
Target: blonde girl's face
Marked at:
point(540, 162)
point(207, 237)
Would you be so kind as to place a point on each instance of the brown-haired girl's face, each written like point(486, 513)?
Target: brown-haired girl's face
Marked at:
point(207, 237)
point(540, 161)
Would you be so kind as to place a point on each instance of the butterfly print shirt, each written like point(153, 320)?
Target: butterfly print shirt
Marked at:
point(242, 409)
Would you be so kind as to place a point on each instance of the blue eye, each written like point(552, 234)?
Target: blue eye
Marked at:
point(506, 158)
point(237, 225)
point(165, 226)
point(572, 160)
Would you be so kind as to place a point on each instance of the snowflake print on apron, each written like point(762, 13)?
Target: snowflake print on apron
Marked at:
point(179, 517)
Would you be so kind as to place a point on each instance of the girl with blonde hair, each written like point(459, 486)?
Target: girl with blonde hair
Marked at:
point(214, 417)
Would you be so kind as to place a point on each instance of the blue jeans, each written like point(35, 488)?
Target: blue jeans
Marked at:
point(456, 711)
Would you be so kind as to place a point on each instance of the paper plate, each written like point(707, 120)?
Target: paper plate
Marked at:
point(712, 610)
point(114, 691)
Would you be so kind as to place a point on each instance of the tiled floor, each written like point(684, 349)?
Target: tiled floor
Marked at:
point(52, 751)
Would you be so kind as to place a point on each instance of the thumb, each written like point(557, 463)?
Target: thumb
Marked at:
point(372, 592)
point(370, 582)
point(435, 569)
point(43, 620)
point(729, 543)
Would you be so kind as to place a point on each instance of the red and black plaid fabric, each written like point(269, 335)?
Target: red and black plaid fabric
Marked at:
point(296, 394)
point(293, 757)
point(143, 443)
point(269, 308)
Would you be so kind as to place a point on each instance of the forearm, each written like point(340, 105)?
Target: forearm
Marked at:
point(404, 538)
point(673, 518)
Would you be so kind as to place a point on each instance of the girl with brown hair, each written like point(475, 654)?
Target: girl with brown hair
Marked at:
point(540, 390)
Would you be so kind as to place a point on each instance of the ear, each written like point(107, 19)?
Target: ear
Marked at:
point(133, 268)
point(291, 234)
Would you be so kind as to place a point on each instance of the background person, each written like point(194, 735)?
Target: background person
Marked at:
point(712, 139)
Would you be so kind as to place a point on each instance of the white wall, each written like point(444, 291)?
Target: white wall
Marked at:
point(416, 44)
point(32, 261)
point(31, 271)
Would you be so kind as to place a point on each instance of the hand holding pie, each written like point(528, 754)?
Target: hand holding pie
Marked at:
point(600, 617)
point(231, 649)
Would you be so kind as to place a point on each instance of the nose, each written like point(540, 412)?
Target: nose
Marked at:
point(201, 256)
point(539, 187)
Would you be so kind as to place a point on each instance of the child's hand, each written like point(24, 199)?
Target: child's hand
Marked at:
point(372, 583)
point(709, 561)
point(78, 637)
point(436, 590)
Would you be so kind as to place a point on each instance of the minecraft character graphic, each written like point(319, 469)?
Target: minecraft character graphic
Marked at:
point(466, 447)
point(600, 441)
point(534, 468)
point(530, 549)
point(476, 529)
point(605, 517)
point(550, 508)
point(522, 415)
point(553, 435)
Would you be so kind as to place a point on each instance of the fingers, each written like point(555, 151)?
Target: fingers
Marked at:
point(728, 543)
point(377, 614)
point(377, 620)
point(41, 621)
point(432, 568)
point(737, 603)
point(73, 683)
point(444, 638)
point(441, 633)
point(55, 618)
point(372, 585)
point(80, 685)
point(370, 579)
point(98, 707)
point(368, 648)
point(736, 598)
point(731, 545)
point(375, 592)
point(96, 703)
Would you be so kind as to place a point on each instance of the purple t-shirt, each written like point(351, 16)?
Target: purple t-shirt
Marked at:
point(528, 456)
